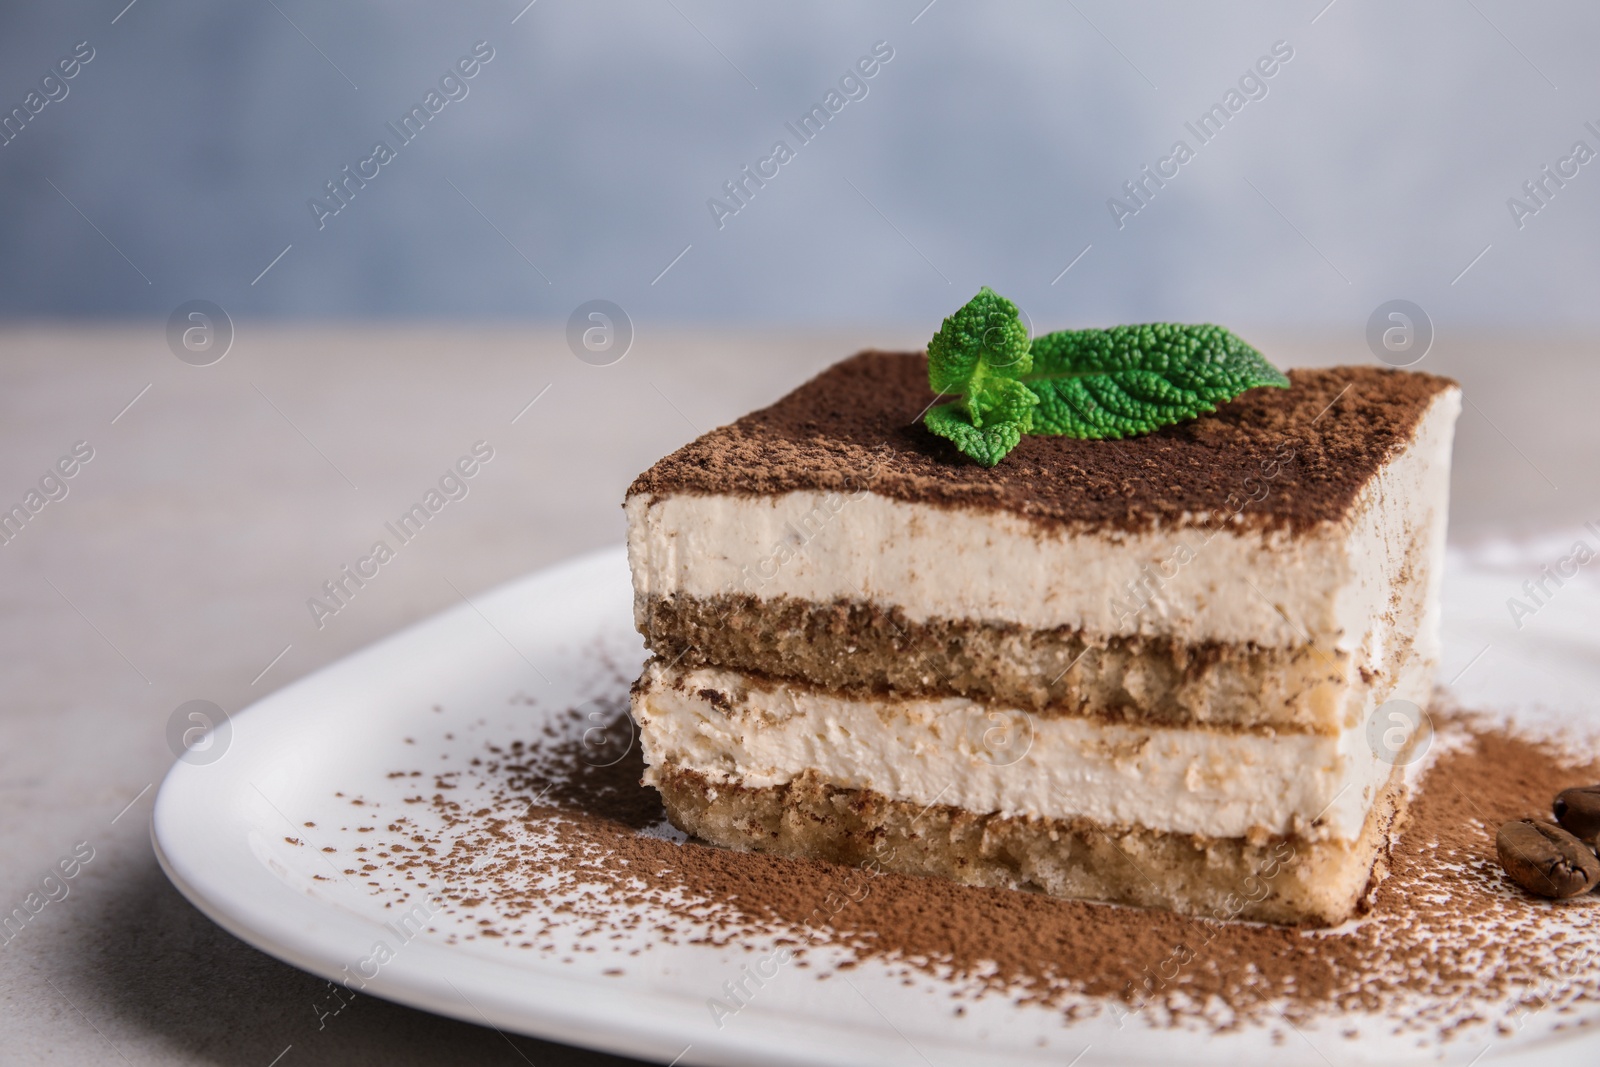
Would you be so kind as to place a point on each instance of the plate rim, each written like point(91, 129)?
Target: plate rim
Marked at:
point(570, 1009)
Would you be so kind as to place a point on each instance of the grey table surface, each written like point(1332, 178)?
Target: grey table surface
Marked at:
point(218, 499)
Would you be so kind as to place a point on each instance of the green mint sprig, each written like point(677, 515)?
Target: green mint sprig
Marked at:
point(1121, 382)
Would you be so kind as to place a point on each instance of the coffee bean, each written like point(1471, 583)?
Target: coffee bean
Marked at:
point(1544, 859)
point(1578, 811)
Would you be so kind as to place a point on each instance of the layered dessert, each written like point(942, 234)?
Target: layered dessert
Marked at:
point(1139, 671)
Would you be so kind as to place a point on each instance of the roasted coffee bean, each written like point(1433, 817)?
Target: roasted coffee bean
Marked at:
point(1544, 859)
point(1578, 811)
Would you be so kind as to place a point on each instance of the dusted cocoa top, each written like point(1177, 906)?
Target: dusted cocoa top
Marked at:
point(1281, 459)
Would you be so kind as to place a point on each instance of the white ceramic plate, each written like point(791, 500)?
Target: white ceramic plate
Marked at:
point(221, 830)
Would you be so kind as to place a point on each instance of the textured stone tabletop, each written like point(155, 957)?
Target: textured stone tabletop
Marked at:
point(217, 499)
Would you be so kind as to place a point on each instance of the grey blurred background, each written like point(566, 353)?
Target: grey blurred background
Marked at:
point(579, 165)
point(430, 311)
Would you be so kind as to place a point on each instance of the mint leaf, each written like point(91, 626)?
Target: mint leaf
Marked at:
point(1001, 400)
point(984, 340)
point(1130, 380)
point(978, 355)
point(1121, 382)
point(988, 445)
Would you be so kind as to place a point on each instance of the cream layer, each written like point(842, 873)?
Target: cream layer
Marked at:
point(733, 728)
point(1334, 587)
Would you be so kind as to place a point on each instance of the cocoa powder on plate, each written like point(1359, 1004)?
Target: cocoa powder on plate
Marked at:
point(543, 843)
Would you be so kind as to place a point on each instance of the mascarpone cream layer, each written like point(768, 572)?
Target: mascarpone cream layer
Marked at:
point(954, 752)
point(1331, 587)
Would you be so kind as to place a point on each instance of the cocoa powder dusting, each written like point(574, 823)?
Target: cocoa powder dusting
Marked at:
point(857, 425)
point(554, 846)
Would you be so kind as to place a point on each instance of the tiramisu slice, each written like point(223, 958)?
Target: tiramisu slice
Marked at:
point(1139, 671)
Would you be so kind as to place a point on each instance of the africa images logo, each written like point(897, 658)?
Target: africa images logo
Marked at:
point(852, 86)
point(1252, 85)
point(452, 87)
